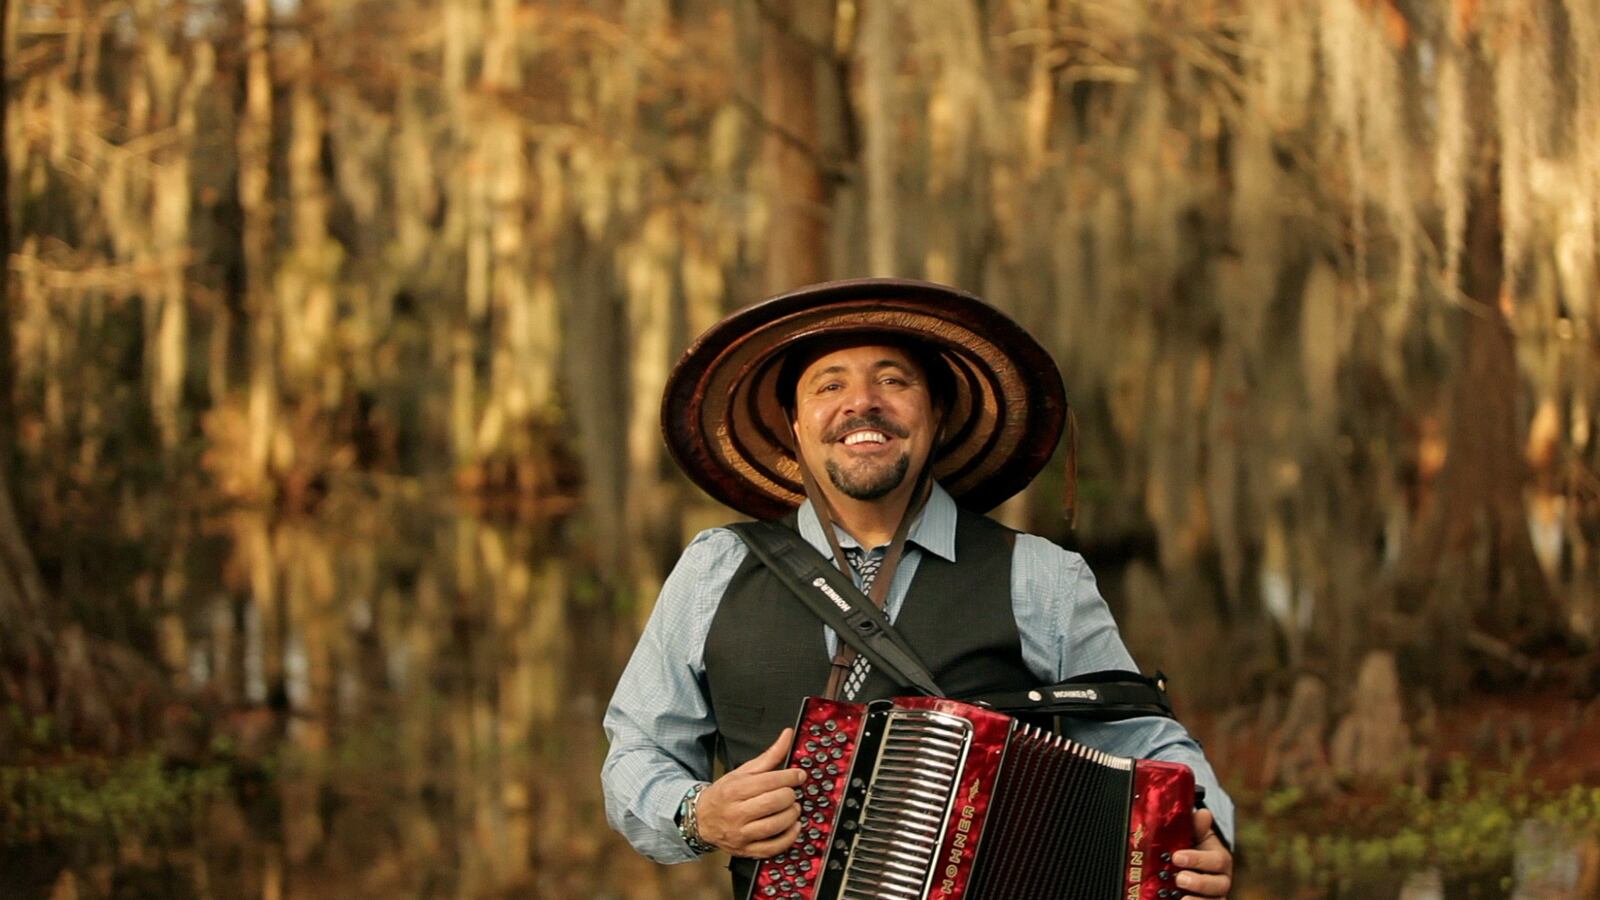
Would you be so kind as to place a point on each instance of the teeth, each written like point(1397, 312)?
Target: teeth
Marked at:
point(859, 437)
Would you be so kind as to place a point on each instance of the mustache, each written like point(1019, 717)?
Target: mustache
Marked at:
point(872, 421)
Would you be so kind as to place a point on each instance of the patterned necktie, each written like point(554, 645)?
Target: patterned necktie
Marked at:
point(866, 566)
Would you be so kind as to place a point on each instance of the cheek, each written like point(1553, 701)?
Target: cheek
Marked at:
point(808, 427)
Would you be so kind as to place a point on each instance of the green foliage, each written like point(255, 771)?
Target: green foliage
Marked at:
point(95, 799)
point(1465, 827)
point(26, 730)
point(50, 792)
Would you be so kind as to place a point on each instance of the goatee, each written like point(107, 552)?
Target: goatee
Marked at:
point(873, 484)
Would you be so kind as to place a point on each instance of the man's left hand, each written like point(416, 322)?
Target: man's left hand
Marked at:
point(1208, 868)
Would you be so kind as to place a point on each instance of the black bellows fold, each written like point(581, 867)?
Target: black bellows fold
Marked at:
point(1047, 838)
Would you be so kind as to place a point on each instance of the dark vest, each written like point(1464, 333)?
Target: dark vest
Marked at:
point(765, 652)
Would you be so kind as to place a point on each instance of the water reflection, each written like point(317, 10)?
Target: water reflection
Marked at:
point(413, 695)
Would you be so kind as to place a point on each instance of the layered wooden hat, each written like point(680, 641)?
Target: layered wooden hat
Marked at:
point(727, 428)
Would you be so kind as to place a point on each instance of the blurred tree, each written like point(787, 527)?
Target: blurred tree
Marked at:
point(797, 65)
point(23, 633)
point(263, 247)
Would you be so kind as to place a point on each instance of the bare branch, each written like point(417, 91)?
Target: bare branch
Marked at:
point(831, 168)
point(782, 24)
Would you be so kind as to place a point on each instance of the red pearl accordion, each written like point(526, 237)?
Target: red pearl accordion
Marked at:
point(921, 798)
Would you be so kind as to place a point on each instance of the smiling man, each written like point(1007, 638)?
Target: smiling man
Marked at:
point(879, 419)
point(866, 414)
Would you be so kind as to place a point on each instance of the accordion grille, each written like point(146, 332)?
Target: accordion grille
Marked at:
point(906, 810)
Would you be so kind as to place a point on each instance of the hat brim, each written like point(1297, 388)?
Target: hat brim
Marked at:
point(726, 428)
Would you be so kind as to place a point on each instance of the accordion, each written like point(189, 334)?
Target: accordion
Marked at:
point(923, 797)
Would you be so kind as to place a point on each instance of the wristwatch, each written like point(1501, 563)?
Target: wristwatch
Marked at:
point(688, 820)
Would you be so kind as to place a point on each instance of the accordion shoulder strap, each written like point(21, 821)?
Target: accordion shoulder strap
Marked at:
point(1106, 695)
point(836, 601)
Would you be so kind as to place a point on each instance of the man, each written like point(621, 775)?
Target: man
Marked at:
point(882, 416)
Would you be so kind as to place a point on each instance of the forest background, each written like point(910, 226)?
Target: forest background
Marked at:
point(334, 334)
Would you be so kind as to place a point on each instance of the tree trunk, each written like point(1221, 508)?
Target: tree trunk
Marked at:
point(1475, 520)
point(24, 636)
point(795, 38)
point(47, 666)
point(879, 57)
point(255, 174)
point(7, 376)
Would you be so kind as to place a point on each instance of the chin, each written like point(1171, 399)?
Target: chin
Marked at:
point(874, 485)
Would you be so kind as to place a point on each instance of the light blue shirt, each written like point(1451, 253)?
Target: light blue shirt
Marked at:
point(660, 723)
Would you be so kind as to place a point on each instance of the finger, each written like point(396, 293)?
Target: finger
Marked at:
point(771, 826)
point(764, 849)
point(1204, 823)
point(1210, 859)
point(772, 757)
point(1204, 885)
point(742, 787)
point(765, 804)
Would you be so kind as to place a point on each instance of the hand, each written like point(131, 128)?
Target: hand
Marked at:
point(1208, 868)
point(752, 810)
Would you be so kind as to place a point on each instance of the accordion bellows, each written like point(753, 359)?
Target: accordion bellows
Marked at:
point(921, 797)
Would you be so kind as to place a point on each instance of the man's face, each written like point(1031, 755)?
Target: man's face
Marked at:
point(864, 417)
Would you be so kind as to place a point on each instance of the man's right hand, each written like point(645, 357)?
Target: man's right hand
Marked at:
point(752, 810)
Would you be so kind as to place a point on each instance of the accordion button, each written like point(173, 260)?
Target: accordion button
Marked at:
point(801, 882)
point(807, 762)
point(1164, 874)
point(819, 817)
point(769, 891)
point(837, 753)
point(815, 728)
point(811, 850)
point(835, 865)
point(811, 746)
point(1166, 857)
point(831, 725)
point(823, 802)
point(827, 785)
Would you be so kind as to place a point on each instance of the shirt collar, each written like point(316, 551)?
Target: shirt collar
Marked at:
point(934, 529)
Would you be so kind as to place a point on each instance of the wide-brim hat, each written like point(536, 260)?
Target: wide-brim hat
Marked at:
point(726, 427)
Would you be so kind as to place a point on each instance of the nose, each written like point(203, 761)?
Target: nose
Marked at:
point(862, 398)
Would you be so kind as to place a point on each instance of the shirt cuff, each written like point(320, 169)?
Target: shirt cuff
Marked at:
point(663, 804)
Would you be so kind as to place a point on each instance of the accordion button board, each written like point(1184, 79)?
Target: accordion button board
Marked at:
point(922, 798)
